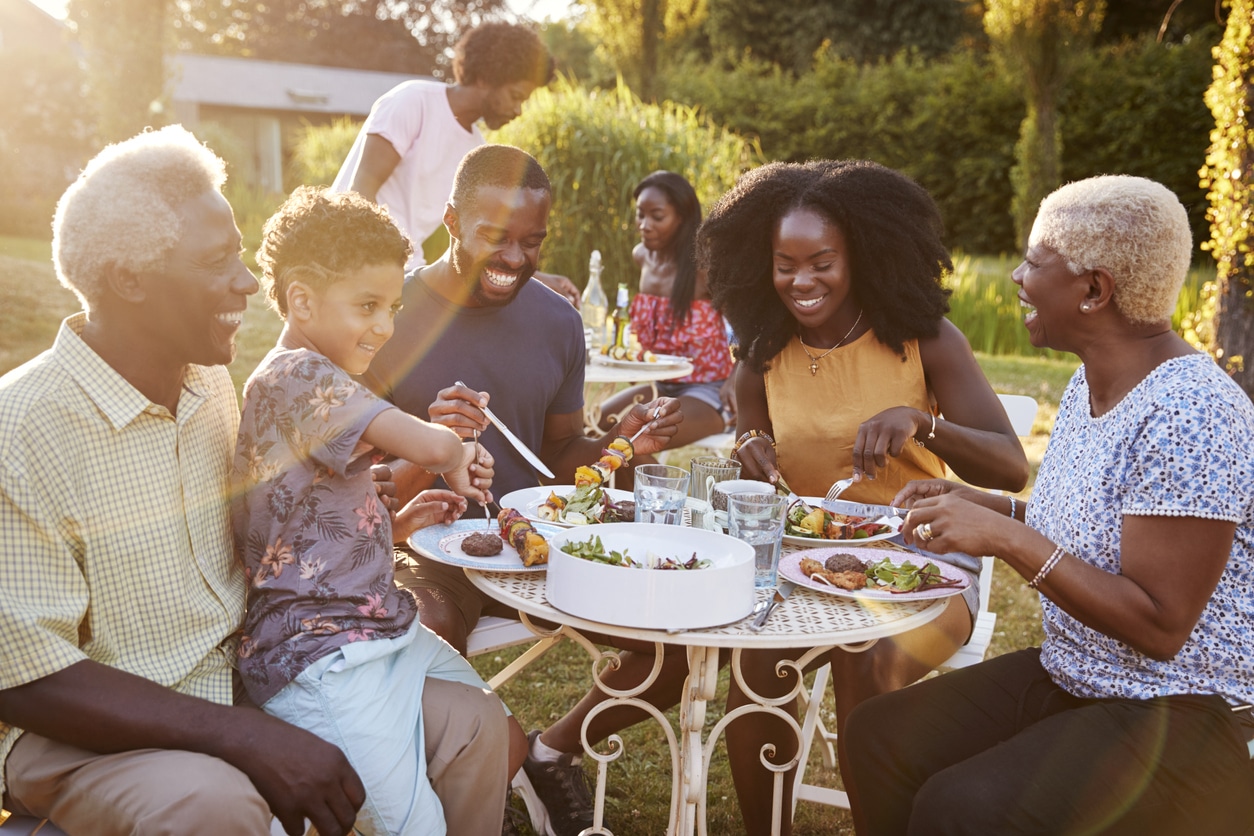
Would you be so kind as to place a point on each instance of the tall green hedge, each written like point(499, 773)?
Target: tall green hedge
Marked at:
point(952, 123)
point(596, 146)
point(1138, 108)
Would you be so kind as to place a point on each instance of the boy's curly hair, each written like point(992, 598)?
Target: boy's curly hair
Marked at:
point(501, 53)
point(892, 229)
point(318, 236)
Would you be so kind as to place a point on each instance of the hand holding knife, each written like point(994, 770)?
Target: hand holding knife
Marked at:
point(531, 457)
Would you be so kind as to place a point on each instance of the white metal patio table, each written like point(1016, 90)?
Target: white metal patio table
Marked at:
point(808, 619)
point(601, 381)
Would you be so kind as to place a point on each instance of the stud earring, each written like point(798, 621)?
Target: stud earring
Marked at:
point(1085, 307)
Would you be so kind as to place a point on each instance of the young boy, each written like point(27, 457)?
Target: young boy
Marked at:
point(329, 643)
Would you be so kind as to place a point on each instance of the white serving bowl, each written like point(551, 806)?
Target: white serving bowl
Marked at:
point(653, 598)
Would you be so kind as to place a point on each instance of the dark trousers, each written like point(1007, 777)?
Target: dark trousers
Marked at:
point(998, 748)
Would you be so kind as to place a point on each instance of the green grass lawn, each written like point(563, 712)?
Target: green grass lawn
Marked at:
point(640, 780)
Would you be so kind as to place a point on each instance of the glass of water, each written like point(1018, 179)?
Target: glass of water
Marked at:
point(708, 471)
point(660, 493)
point(758, 519)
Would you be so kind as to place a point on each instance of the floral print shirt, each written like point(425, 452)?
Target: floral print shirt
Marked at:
point(702, 339)
point(315, 540)
point(1178, 445)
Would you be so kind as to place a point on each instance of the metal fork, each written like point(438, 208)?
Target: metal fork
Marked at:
point(837, 489)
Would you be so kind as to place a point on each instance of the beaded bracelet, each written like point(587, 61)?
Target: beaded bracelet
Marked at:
point(931, 433)
point(1047, 567)
point(740, 442)
point(1012, 507)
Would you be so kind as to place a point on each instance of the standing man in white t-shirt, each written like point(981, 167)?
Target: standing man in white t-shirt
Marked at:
point(417, 133)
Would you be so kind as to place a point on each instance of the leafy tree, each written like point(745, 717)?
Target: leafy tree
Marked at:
point(1174, 18)
point(781, 32)
point(381, 35)
point(633, 35)
point(1039, 40)
point(123, 41)
point(1229, 176)
point(788, 32)
point(871, 30)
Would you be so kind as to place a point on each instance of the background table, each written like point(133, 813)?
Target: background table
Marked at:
point(808, 619)
point(601, 381)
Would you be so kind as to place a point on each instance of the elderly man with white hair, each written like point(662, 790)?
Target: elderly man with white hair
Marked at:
point(1133, 716)
point(119, 593)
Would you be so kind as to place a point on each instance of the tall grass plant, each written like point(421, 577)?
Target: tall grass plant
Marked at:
point(985, 306)
point(320, 150)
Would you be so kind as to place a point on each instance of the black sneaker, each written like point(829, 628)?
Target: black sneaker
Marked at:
point(562, 788)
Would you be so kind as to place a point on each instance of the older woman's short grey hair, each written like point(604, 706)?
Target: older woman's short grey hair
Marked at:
point(1134, 227)
point(122, 211)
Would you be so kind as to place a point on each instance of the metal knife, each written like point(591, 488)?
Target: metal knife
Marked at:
point(782, 591)
point(782, 487)
point(531, 457)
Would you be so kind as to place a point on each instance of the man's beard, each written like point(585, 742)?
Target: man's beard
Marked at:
point(463, 266)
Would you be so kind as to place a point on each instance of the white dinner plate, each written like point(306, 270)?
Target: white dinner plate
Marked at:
point(528, 500)
point(852, 510)
point(790, 568)
point(442, 543)
point(663, 361)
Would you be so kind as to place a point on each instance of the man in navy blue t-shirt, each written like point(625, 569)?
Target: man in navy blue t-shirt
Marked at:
point(475, 316)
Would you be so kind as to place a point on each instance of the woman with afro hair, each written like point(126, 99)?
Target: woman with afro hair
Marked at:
point(830, 273)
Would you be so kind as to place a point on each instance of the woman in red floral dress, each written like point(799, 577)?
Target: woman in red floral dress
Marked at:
point(672, 313)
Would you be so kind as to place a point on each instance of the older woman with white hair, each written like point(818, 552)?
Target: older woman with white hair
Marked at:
point(1133, 716)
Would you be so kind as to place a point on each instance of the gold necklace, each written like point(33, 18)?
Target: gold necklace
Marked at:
point(814, 361)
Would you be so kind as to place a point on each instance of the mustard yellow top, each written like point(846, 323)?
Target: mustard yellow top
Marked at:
point(815, 418)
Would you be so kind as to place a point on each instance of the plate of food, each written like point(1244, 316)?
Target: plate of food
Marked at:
point(641, 361)
point(810, 524)
point(469, 543)
point(569, 505)
point(587, 501)
point(872, 574)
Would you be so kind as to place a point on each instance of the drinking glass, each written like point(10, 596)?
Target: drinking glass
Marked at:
point(707, 471)
point(758, 519)
point(660, 493)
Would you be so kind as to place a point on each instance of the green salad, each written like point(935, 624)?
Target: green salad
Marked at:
point(595, 551)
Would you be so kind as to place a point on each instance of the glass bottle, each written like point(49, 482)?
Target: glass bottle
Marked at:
point(621, 319)
point(593, 305)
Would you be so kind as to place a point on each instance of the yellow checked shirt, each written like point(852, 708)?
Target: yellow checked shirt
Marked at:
point(115, 540)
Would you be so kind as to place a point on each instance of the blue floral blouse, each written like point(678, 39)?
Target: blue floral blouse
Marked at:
point(1179, 444)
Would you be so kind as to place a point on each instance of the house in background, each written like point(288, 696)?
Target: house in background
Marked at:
point(265, 103)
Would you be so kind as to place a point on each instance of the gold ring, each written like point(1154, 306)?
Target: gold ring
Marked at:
point(925, 532)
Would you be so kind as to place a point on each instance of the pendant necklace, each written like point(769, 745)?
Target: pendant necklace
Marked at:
point(814, 361)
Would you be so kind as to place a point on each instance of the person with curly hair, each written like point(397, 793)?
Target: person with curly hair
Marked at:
point(329, 642)
point(830, 273)
point(407, 152)
point(122, 596)
point(1133, 716)
point(672, 313)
